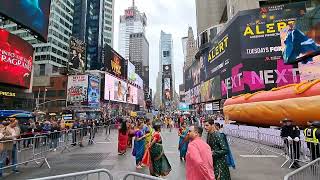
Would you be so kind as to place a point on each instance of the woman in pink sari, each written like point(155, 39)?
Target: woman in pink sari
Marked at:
point(123, 138)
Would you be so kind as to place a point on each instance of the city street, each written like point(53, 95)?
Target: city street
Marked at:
point(103, 154)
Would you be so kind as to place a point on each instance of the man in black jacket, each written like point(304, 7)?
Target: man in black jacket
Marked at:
point(291, 137)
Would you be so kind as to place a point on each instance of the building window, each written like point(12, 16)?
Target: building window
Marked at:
point(61, 93)
point(166, 53)
point(42, 69)
point(51, 93)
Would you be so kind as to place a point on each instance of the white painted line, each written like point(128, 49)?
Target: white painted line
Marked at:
point(259, 156)
point(105, 142)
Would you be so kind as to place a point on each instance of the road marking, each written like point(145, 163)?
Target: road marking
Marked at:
point(259, 156)
point(105, 142)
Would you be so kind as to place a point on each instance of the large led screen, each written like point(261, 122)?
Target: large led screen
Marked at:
point(77, 90)
point(32, 14)
point(115, 89)
point(114, 63)
point(132, 94)
point(15, 60)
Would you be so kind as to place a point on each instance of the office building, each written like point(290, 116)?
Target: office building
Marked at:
point(53, 55)
point(139, 55)
point(191, 49)
point(131, 22)
point(209, 13)
point(166, 66)
point(93, 24)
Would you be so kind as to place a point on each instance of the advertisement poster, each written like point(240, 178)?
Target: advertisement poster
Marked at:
point(15, 60)
point(141, 97)
point(77, 55)
point(305, 40)
point(260, 29)
point(131, 72)
point(33, 15)
point(210, 90)
point(139, 81)
point(132, 94)
point(195, 95)
point(116, 88)
point(77, 90)
point(94, 91)
point(114, 63)
point(167, 89)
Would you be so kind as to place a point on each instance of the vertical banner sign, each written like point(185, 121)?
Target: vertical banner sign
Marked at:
point(77, 90)
point(94, 91)
point(77, 55)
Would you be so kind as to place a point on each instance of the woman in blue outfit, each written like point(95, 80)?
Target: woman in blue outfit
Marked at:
point(183, 140)
point(138, 147)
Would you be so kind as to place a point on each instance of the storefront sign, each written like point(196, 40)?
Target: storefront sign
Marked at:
point(8, 94)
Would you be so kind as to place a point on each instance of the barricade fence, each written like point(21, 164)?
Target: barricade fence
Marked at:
point(23, 151)
point(293, 150)
point(309, 171)
point(99, 174)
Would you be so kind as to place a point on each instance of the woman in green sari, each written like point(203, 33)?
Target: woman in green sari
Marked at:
point(159, 165)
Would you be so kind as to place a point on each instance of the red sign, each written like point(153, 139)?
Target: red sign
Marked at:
point(15, 60)
point(129, 13)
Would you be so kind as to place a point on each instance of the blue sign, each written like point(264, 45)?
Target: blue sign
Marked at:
point(94, 91)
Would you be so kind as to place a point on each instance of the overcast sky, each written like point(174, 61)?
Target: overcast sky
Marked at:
point(171, 16)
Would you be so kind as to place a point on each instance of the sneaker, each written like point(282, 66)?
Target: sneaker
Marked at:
point(54, 150)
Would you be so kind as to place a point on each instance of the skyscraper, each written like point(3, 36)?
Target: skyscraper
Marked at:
point(131, 22)
point(50, 56)
point(93, 24)
point(191, 48)
point(139, 55)
point(166, 74)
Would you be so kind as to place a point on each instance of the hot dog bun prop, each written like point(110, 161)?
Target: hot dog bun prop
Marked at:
point(298, 102)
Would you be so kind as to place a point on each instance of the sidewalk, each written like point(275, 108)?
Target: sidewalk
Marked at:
point(103, 154)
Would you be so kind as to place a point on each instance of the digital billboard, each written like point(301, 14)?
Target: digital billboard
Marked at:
point(141, 97)
point(114, 63)
point(94, 91)
point(260, 29)
point(77, 55)
point(115, 89)
point(301, 44)
point(167, 90)
point(131, 72)
point(132, 94)
point(32, 14)
point(210, 90)
point(16, 57)
point(77, 89)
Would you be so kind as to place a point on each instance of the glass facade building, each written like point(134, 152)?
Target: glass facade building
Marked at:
point(93, 24)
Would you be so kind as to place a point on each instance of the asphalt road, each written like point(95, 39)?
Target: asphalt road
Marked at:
point(103, 154)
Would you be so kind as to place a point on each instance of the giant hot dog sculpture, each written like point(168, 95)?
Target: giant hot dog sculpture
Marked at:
point(299, 102)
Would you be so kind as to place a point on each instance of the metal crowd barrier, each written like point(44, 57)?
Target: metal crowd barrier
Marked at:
point(260, 141)
point(309, 171)
point(35, 149)
point(98, 174)
point(139, 176)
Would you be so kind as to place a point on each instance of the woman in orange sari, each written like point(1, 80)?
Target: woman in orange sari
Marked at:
point(123, 138)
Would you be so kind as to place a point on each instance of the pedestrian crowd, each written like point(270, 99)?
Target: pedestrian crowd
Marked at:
point(16, 136)
point(205, 160)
